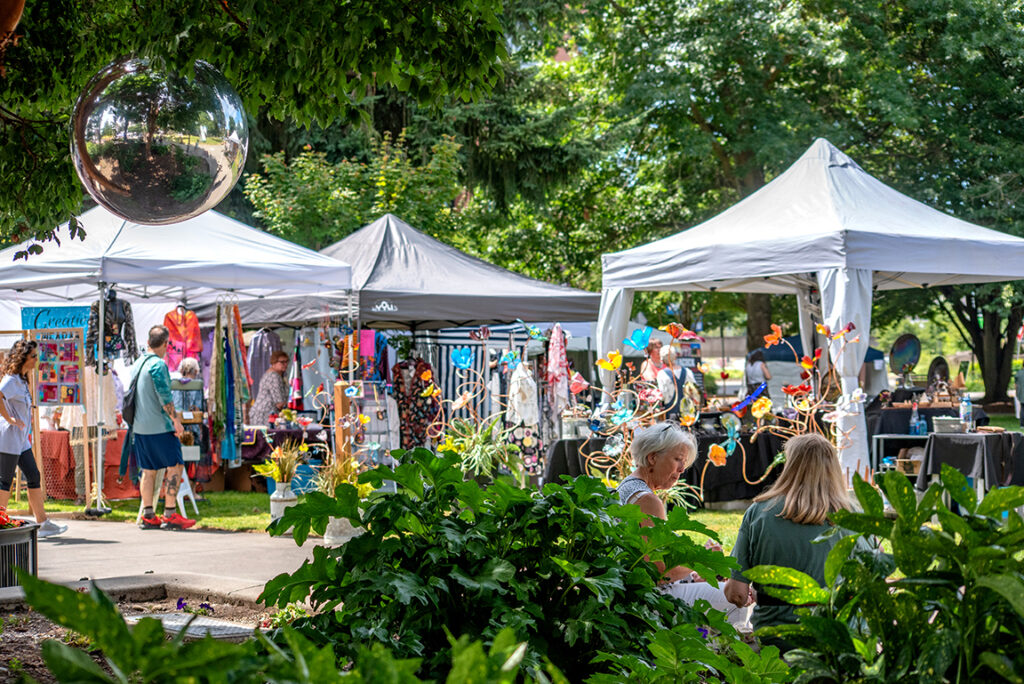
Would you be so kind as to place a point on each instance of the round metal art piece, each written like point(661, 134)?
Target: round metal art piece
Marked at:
point(905, 353)
point(155, 148)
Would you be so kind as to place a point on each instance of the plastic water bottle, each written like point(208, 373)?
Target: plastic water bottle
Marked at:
point(966, 411)
point(914, 420)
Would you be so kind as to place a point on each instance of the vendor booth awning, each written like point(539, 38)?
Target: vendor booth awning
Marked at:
point(823, 226)
point(404, 278)
point(195, 260)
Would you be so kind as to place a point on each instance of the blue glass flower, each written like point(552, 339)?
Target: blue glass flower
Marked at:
point(640, 338)
point(462, 358)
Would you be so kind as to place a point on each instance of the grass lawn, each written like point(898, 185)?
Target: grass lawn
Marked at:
point(1005, 420)
point(725, 523)
point(238, 511)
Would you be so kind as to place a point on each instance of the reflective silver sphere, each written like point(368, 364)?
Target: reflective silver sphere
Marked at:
point(156, 148)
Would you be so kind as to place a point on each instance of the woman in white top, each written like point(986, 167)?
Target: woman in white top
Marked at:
point(15, 425)
point(661, 454)
point(671, 381)
point(756, 370)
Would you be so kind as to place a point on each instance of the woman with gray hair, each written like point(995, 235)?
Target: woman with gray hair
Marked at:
point(661, 454)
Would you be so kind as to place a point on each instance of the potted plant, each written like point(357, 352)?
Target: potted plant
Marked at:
point(17, 547)
point(339, 471)
point(280, 467)
point(483, 448)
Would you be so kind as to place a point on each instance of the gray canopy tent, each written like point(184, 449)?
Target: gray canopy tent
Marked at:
point(405, 279)
point(824, 228)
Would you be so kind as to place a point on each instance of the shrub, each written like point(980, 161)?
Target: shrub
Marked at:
point(956, 613)
point(565, 569)
point(141, 653)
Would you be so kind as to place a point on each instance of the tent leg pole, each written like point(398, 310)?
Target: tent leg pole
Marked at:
point(99, 505)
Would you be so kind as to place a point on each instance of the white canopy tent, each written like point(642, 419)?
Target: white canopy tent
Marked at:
point(824, 226)
point(196, 261)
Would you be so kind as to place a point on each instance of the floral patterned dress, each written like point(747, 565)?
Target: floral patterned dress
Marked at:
point(415, 412)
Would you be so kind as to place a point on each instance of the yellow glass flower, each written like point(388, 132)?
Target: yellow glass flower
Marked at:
point(761, 408)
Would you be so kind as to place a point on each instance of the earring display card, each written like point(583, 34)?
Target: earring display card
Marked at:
point(48, 393)
point(47, 372)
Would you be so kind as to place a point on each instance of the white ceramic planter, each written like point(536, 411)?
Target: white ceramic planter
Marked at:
point(282, 498)
point(339, 531)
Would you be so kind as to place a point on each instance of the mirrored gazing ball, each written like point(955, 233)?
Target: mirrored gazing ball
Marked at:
point(156, 148)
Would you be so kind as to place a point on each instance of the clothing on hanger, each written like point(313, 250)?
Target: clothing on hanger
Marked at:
point(264, 343)
point(416, 413)
point(522, 397)
point(119, 330)
point(557, 373)
point(184, 342)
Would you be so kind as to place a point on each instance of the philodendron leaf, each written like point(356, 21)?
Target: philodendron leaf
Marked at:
point(788, 584)
point(938, 652)
point(1001, 499)
point(901, 493)
point(958, 487)
point(862, 523)
point(93, 615)
point(839, 554)
point(870, 499)
point(69, 664)
point(1010, 587)
point(1002, 666)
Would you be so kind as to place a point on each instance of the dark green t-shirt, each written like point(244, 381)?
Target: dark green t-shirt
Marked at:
point(766, 539)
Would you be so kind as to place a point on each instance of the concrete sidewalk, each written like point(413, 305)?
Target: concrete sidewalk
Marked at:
point(98, 549)
point(145, 564)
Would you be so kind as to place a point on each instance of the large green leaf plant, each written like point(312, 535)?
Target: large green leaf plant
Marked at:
point(565, 568)
point(945, 605)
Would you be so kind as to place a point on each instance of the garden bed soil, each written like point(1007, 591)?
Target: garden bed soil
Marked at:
point(23, 633)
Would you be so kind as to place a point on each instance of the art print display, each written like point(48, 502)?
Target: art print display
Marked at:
point(58, 376)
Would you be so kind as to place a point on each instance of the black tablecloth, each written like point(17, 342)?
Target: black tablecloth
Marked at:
point(726, 483)
point(896, 421)
point(997, 459)
point(257, 443)
point(721, 483)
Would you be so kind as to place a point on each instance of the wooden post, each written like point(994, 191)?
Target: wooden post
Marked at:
point(342, 429)
point(86, 452)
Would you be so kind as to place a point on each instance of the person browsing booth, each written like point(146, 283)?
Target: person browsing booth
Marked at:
point(156, 429)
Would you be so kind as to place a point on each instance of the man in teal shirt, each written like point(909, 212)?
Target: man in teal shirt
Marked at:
point(156, 429)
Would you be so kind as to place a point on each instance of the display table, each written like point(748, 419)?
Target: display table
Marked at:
point(881, 440)
point(992, 459)
point(721, 483)
point(59, 466)
point(896, 421)
point(257, 443)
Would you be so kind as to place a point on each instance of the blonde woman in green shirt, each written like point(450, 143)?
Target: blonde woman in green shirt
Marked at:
point(783, 521)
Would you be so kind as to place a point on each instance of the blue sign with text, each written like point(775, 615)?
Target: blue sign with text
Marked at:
point(50, 317)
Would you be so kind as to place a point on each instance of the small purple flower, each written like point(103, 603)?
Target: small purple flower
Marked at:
point(703, 631)
point(206, 606)
point(181, 603)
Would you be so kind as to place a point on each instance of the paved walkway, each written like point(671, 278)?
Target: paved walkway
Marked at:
point(97, 550)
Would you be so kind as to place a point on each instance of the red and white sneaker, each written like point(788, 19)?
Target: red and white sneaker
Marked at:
point(176, 521)
point(153, 522)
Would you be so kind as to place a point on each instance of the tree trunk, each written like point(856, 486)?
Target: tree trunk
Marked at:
point(759, 319)
point(979, 318)
point(759, 306)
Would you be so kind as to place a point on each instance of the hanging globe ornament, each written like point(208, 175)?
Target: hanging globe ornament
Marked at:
point(158, 148)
